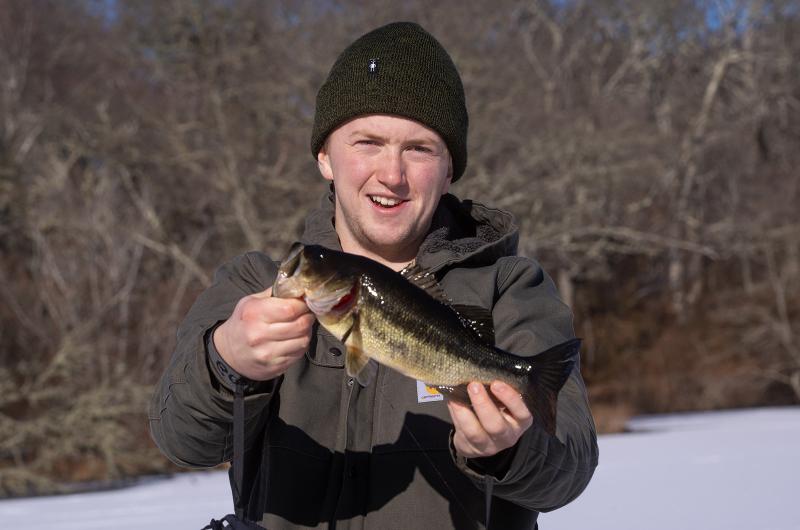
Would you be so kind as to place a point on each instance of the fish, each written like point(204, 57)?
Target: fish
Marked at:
point(403, 321)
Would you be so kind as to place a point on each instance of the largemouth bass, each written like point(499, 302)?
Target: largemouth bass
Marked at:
point(378, 313)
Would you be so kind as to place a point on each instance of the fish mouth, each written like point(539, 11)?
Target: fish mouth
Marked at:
point(292, 262)
point(338, 300)
point(287, 284)
point(296, 279)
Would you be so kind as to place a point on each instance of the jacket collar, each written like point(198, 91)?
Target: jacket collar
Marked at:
point(461, 232)
point(319, 229)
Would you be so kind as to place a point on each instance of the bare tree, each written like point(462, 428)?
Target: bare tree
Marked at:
point(647, 149)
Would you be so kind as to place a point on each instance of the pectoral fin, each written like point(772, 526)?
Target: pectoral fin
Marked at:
point(356, 361)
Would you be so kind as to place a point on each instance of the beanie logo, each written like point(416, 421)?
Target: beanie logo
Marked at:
point(373, 66)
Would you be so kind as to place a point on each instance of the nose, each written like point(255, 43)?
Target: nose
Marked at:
point(392, 172)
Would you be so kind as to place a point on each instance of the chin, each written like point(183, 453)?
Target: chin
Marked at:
point(390, 243)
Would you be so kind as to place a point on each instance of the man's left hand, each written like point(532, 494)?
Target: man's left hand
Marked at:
point(485, 429)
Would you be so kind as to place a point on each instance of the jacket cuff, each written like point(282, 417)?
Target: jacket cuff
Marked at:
point(497, 465)
point(227, 376)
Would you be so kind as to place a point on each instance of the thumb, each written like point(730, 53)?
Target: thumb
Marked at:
point(266, 293)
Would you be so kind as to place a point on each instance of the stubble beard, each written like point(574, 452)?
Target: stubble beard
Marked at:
point(401, 247)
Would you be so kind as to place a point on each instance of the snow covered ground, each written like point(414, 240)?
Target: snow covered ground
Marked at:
point(708, 471)
point(731, 470)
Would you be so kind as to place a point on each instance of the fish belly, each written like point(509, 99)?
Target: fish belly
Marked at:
point(418, 349)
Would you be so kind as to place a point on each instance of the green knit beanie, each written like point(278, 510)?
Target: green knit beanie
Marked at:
point(396, 69)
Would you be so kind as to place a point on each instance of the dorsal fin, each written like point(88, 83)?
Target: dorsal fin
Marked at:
point(425, 281)
point(475, 318)
point(478, 319)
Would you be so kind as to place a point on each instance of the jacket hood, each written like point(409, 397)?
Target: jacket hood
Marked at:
point(462, 232)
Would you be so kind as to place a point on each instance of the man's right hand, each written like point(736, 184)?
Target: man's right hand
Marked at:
point(264, 335)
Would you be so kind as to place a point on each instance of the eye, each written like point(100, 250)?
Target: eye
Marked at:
point(421, 149)
point(366, 142)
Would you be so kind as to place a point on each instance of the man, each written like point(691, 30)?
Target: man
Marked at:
point(323, 450)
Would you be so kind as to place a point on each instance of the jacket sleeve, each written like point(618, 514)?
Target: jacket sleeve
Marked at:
point(191, 413)
point(544, 472)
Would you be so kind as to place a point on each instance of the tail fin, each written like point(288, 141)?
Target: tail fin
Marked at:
point(551, 368)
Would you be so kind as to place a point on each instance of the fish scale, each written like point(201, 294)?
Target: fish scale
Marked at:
point(381, 315)
point(388, 329)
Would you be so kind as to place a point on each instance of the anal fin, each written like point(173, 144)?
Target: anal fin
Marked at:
point(455, 393)
point(460, 394)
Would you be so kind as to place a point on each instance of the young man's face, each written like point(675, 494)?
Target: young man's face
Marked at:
point(389, 173)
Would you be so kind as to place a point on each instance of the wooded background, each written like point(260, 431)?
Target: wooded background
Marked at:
point(649, 150)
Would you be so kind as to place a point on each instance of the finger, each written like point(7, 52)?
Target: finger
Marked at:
point(278, 331)
point(260, 334)
point(285, 309)
point(492, 420)
point(466, 422)
point(461, 415)
point(281, 351)
point(273, 309)
point(513, 402)
point(273, 366)
point(463, 446)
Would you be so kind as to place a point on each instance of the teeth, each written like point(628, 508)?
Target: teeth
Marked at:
point(384, 201)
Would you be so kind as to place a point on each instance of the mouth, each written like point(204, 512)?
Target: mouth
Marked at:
point(385, 202)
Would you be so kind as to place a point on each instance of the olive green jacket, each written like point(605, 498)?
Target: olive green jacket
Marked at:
point(325, 452)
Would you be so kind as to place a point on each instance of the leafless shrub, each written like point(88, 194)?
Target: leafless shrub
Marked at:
point(648, 151)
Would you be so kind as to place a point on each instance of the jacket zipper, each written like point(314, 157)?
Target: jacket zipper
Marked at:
point(350, 385)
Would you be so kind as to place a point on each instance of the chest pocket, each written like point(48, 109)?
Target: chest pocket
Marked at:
point(402, 422)
point(306, 412)
point(325, 349)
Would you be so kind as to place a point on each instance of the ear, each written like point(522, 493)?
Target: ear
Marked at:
point(446, 184)
point(324, 163)
point(449, 179)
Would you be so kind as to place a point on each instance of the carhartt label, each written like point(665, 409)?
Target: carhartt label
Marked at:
point(426, 393)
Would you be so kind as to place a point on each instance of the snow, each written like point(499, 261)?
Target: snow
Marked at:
point(716, 470)
point(187, 500)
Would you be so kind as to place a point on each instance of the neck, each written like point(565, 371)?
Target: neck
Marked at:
point(396, 261)
point(396, 257)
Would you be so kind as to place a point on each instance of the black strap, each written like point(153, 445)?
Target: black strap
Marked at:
point(238, 437)
point(488, 484)
point(232, 521)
